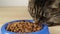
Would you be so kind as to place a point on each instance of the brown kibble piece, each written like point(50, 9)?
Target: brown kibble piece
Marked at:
point(38, 28)
point(34, 29)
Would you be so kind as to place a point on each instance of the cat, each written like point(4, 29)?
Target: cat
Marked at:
point(45, 11)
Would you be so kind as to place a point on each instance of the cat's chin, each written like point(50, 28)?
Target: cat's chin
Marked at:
point(50, 24)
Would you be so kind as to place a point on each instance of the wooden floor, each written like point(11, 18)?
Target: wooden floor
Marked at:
point(13, 13)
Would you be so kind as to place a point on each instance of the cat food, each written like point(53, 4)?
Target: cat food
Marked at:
point(23, 27)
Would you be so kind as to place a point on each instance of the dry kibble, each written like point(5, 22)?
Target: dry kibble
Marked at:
point(23, 27)
point(14, 30)
point(20, 31)
point(34, 29)
point(8, 26)
point(38, 28)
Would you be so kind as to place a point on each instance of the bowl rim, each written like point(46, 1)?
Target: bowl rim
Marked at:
point(3, 28)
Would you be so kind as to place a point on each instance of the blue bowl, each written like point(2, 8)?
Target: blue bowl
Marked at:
point(42, 31)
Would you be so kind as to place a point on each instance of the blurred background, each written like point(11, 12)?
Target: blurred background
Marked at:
point(13, 2)
point(18, 10)
point(13, 10)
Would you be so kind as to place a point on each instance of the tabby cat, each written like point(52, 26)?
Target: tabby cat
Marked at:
point(45, 11)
